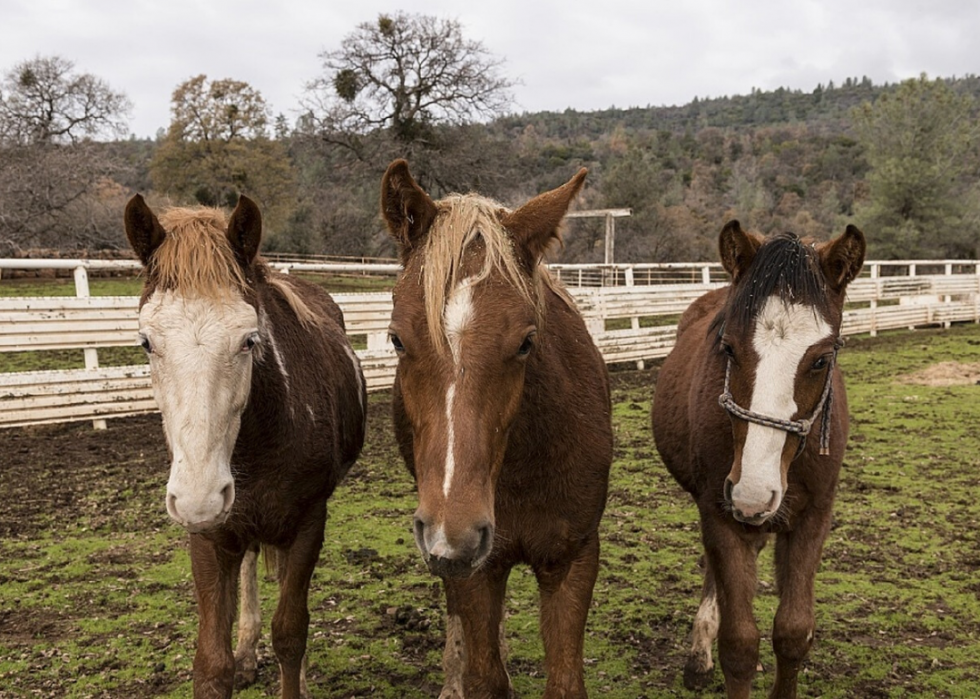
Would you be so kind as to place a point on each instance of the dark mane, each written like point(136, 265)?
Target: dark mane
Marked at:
point(785, 267)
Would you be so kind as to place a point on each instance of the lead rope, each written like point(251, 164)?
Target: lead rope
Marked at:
point(800, 427)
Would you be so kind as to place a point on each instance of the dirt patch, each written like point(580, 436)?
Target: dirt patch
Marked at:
point(945, 374)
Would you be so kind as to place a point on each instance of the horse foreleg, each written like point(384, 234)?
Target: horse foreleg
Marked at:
point(473, 659)
point(215, 581)
point(797, 559)
point(733, 560)
point(698, 670)
point(249, 622)
point(291, 621)
point(566, 595)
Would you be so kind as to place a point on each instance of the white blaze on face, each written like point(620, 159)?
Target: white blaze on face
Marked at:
point(201, 376)
point(456, 317)
point(783, 334)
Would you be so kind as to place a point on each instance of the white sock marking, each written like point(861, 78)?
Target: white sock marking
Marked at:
point(705, 632)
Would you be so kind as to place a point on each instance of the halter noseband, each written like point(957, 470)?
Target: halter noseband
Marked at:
point(800, 427)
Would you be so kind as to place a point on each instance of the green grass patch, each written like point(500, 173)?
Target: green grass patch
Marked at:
point(96, 596)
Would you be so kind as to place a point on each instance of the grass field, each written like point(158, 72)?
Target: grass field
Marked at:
point(96, 597)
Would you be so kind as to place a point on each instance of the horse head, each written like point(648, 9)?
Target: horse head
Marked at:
point(200, 326)
point(778, 337)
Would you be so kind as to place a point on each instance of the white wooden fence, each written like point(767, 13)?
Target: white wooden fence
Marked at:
point(633, 320)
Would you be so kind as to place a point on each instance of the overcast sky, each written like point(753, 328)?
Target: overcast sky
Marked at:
point(582, 54)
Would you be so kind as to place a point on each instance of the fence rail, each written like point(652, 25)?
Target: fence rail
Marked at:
point(631, 312)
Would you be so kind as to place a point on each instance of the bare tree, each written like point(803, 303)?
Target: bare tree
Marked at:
point(63, 197)
point(57, 186)
point(43, 101)
point(405, 73)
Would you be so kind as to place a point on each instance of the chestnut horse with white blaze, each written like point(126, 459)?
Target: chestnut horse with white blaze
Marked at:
point(263, 405)
point(502, 413)
point(750, 416)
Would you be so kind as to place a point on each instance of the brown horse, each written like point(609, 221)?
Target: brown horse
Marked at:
point(753, 369)
point(502, 413)
point(263, 405)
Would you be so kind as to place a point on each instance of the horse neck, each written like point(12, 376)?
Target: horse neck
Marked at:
point(269, 410)
point(557, 376)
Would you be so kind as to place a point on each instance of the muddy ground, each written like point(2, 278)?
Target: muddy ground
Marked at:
point(96, 598)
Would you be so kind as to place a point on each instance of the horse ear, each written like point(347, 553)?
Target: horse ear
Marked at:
point(142, 228)
point(535, 224)
point(245, 230)
point(843, 258)
point(407, 210)
point(737, 248)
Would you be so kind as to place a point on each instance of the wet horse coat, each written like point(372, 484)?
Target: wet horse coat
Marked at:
point(502, 413)
point(263, 405)
point(750, 417)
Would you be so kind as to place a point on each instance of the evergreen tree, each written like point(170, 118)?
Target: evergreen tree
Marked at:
point(921, 144)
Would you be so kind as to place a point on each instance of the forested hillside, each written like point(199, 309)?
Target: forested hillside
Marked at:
point(901, 161)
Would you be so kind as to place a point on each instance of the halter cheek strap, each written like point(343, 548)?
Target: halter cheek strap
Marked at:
point(799, 427)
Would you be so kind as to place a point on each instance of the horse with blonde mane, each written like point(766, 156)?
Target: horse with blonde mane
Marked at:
point(263, 404)
point(502, 414)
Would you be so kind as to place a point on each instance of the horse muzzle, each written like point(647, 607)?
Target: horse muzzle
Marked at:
point(751, 506)
point(199, 513)
point(458, 556)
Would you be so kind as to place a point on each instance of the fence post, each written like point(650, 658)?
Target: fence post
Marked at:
point(91, 354)
point(947, 299)
point(705, 274)
point(875, 272)
point(912, 274)
point(976, 296)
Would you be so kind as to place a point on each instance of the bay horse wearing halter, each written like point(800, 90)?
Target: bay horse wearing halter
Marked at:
point(750, 416)
point(263, 405)
point(502, 413)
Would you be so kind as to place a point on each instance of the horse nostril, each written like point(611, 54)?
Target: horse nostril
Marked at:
point(228, 496)
point(729, 487)
point(172, 506)
point(419, 531)
point(772, 502)
point(486, 542)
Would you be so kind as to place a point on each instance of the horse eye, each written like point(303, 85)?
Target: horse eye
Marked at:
point(250, 342)
point(820, 363)
point(145, 344)
point(727, 349)
point(396, 342)
point(526, 346)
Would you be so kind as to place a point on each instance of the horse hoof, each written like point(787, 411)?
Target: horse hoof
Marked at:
point(245, 674)
point(696, 678)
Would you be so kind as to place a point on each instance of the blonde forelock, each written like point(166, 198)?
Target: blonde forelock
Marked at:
point(461, 220)
point(196, 258)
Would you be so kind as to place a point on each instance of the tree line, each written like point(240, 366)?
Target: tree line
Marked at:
point(900, 161)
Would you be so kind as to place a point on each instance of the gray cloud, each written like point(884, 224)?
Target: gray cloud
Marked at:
point(584, 55)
